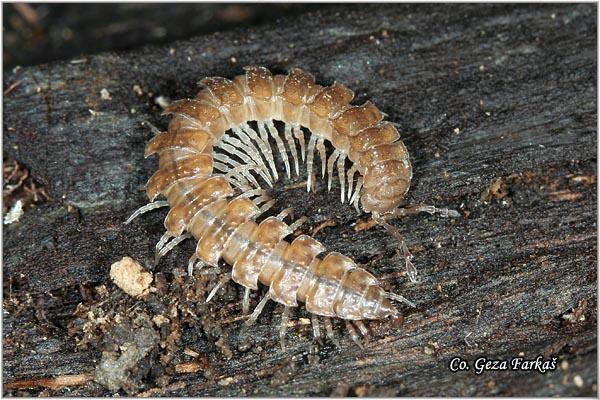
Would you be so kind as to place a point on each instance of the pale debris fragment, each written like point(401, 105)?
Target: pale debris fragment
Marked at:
point(226, 381)
point(191, 352)
point(160, 320)
point(95, 113)
point(14, 213)
point(105, 94)
point(130, 276)
point(138, 90)
point(190, 367)
point(162, 101)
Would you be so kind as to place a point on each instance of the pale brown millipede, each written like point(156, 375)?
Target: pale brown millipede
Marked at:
point(213, 163)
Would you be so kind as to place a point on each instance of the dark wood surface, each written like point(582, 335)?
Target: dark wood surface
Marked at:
point(497, 106)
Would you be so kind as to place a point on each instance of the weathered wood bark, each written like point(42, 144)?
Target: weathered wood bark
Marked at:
point(497, 106)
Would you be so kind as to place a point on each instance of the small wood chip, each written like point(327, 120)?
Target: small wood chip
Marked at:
point(51, 383)
point(162, 390)
point(324, 224)
point(11, 87)
point(189, 367)
point(364, 225)
point(295, 185)
point(191, 352)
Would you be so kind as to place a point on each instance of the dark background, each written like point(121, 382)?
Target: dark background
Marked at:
point(497, 105)
point(39, 33)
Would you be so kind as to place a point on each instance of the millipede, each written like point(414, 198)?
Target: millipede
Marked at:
point(217, 155)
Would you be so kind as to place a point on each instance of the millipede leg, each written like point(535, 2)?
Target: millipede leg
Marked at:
point(329, 331)
point(246, 301)
point(299, 134)
point(356, 196)
point(145, 209)
point(322, 155)
point(233, 174)
point(251, 150)
point(237, 169)
point(162, 241)
point(246, 178)
point(399, 298)
point(298, 224)
point(262, 131)
point(353, 334)
point(285, 317)
point(217, 166)
point(314, 319)
point(222, 281)
point(341, 166)
point(232, 150)
point(265, 147)
point(292, 146)
point(251, 193)
point(237, 182)
point(330, 164)
point(266, 206)
point(226, 159)
point(280, 146)
point(152, 128)
point(350, 175)
point(392, 230)
point(429, 209)
point(258, 310)
point(362, 328)
point(231, 145)
point(309, 161)
point(284, 213)
point(261, 199)
point(191, 264)
point(170, 246)
point(411, 270)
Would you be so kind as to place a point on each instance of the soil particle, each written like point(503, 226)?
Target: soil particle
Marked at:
point(122, 368)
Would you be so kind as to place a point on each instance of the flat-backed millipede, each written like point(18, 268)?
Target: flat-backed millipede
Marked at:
point(211, 162)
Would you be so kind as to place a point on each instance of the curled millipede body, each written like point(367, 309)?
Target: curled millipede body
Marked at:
point(213, 167)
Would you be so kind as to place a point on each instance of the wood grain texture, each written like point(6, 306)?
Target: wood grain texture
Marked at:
point(497, 106)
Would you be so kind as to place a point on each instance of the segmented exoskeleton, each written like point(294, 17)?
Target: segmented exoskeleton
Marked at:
point(212, 164)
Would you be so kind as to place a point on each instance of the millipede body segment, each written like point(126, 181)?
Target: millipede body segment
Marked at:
point(213, 163)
